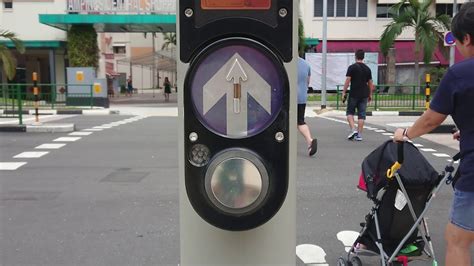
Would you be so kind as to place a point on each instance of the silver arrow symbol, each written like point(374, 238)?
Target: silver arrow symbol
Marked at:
point(236, 74)
point(254, 85)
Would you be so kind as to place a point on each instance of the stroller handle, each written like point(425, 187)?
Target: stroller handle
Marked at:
point(398, 164)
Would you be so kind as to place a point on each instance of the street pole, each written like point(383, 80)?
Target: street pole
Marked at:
point(452, 49)
point(324, 55)
point(153, 69)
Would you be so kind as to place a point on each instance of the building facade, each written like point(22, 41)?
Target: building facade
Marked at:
point(46, 44)
point(358, 24)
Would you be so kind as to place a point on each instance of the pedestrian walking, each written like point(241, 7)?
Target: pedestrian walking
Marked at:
point(455, 96)
point(167, 85)
point(129, 90)
point(304, 75)
point(359, 77)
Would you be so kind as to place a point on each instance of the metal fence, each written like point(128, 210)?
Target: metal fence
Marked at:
point(400, 97)
point(15, 99)
point(121, 6)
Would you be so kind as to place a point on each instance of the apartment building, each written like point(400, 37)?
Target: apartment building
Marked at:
point(45, 46)
point(124, 31)
point(358, 24)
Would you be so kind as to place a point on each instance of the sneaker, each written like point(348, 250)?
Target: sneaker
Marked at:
point(358, 137)
point(352, 135)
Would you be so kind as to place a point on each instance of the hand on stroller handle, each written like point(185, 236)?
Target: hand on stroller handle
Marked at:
point(398, 164)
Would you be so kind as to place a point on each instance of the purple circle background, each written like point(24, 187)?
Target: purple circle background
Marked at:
point(258, 119)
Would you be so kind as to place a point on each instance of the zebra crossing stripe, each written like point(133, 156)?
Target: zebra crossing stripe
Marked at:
point(11, 166)
point(311, 254)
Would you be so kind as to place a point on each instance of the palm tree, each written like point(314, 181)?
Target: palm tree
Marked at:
point(6, 57)
point(428, 29)
point(169, 38)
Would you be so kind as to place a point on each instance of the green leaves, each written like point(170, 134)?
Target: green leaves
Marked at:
point(169, 39)
point(6, 57)
point(415, 14)
point(83, 50)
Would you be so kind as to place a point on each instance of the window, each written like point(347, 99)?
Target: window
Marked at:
point(446, 9)
point(8, 4)
point(383, 10)
point(342, 8)
point(120, 49)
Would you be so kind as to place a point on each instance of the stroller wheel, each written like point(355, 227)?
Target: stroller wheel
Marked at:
point(342, 262)
point(355, 261)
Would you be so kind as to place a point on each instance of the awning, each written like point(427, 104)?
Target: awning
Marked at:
point(113, 23)
point(403, 51)
point(37, 44)
point(311, 41)
point(164, 60)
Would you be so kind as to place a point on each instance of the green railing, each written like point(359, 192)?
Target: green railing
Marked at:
point(399, 97)
point(14, 98)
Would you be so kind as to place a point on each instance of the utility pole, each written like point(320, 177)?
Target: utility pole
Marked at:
point(452, 49)
point(154, 66)
point(324, 55)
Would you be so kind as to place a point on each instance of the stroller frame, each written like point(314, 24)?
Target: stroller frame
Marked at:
point(419, 221)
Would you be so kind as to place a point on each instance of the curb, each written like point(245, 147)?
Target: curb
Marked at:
point(13, 128)
point(41, 128)
point(442, 129)
point(393, 113)
point(60, 112)
point(371, 113)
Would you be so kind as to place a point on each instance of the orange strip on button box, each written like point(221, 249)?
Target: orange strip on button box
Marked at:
point(236, 4)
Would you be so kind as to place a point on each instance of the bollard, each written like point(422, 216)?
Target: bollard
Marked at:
point(427, 91)
point(36, 92)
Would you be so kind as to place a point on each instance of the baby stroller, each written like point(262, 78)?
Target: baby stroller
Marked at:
point(395, 229)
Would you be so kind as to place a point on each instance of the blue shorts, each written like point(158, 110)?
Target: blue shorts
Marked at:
point(462, 210)
point(360, 104)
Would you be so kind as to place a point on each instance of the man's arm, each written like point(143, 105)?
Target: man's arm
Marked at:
point(346, 85)
point(371, 88)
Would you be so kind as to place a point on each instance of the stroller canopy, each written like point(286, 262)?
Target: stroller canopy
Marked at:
point(415, 171)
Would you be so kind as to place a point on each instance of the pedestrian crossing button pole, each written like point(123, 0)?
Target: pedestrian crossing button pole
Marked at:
point(236, 66)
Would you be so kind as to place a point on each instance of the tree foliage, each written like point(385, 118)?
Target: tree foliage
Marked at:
point(169, 39)
point(6, 57)
point(83, 50)
point(416, 15)
point(301, 39)
point(428, 29)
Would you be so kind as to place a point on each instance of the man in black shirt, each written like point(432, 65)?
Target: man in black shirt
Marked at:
point(359, 77)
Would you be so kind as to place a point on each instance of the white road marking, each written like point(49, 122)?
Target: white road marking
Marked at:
point(93, 129)
point(11, 166)
point(387, 134)
point(31, 154)
point(333, 119)
point(80, 133)
point(347, 238)
point(311, 254)
point(417, 145)
point(67, 139)
point(102, 127)
point(51, 146)
point(441, 155)
point(428, 150)
point(380, 131)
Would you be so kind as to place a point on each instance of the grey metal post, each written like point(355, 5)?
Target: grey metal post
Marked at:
point(452, 49)
point(324, 55)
